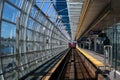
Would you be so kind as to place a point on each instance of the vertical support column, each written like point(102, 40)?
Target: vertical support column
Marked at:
point(1, 12)
point(111, 57)
point(95, 43)
point(25, 31)
point(89, 43)
point(83, 44)
point(18, 37)
point(115, 41)
point(17, 46)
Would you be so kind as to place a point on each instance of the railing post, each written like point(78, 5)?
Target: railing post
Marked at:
point(108, 55)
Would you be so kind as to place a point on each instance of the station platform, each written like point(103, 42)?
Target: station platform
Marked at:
point(100, 57)
point(97, 60)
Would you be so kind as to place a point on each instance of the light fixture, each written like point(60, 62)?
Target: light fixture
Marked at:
point(59, 17)
point(43, 28)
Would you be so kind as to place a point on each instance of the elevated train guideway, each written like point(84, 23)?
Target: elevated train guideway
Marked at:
point(76, 65)
point(45, 68)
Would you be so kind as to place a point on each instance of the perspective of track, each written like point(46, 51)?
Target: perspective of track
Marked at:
point(73, 67)
point(71, 64)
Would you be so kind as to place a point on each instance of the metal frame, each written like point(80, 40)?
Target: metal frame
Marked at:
point(58, 40)
point(108, 56)
point(1, 11)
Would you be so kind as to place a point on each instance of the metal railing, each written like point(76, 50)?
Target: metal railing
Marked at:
point(108, 56)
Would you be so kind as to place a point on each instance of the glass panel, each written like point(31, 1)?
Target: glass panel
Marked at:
point(8, 47)
point(45, 22)
point(29, 57)
point(8, 35)
point(36, 48)
point(33, 12)
point(30, 23)
point(29, 35)
point(37, 37)
point(29, 46)
point(51, 10)
point(48, 23)
point(52, 18)
point(22, 33)
point(40, 17)
point(54, 1)
point(21, 47)
point(48, 32)
point(50, 26)
point(39, 2)
point(1, 77)
point(8, 30)
point(41, 39)
point(113, 33)
point(41, 29)
point(8, 63)
point(38, 26)
point(10, 13)
point(18, 3)
point(45, 6)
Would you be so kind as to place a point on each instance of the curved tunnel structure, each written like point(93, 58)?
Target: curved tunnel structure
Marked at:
point(29, 36)
point(35, 36)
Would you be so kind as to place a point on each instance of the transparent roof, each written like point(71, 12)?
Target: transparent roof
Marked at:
point(74, 10)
